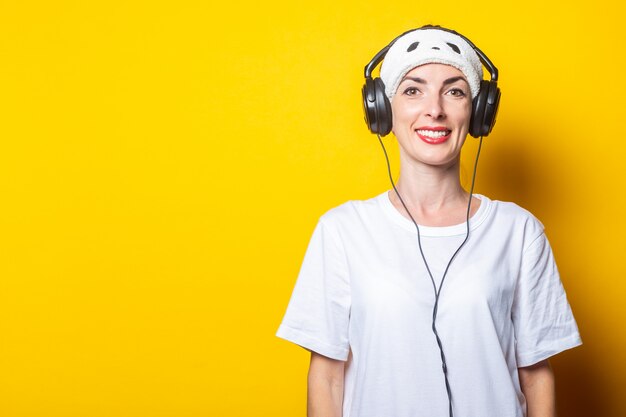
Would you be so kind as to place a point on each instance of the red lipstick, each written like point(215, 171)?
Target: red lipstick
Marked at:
point(433, 134)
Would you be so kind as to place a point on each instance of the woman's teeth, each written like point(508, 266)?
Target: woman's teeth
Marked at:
point(435, 134)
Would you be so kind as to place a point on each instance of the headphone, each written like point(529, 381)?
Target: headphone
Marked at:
point(377, 106)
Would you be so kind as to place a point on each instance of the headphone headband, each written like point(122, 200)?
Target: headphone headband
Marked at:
point(493, 71)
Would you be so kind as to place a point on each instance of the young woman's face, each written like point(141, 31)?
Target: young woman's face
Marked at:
point(431, 114)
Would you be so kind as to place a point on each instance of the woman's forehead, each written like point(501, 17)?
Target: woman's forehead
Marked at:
point(435, 74)
point(435, 70)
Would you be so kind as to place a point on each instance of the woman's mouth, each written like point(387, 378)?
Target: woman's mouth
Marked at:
point(433, 135)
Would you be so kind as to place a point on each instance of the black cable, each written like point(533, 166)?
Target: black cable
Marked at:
point(437, 291)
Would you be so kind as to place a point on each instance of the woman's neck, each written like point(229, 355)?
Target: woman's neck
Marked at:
point(433, 195)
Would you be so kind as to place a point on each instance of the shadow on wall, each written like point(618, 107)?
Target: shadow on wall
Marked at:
point(509, 172)
point(580, 387)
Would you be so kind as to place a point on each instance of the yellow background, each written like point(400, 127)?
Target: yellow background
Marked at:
point(163, 165)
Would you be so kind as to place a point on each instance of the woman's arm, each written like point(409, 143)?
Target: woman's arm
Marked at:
point(325, 387)
point(537, 383)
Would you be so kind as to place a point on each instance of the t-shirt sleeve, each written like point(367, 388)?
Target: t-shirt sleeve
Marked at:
point(542, 317)
point(318, 313)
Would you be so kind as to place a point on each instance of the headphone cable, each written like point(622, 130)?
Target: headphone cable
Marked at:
point(419, 243)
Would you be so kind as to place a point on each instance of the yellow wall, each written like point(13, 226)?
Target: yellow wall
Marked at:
point(163, 165)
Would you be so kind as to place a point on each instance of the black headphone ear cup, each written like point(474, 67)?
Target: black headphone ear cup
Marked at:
point(376, 107)
point(484, 109)
point(383, 109)
point(369, 103)
point(478, 110)
point(491, 107)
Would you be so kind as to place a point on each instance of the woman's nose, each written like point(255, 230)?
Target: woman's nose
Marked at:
point(435, 107)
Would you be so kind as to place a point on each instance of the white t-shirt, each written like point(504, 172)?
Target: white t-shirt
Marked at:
point(363, 296)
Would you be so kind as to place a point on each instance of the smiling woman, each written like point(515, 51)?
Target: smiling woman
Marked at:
point(387, 337)
point(433, 104)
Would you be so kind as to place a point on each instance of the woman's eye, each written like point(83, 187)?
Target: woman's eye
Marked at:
point(411, 91)
point(457, 92)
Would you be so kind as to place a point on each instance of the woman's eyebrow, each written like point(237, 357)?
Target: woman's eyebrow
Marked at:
point(417, 80)
point(454, 79)
point(451, 80)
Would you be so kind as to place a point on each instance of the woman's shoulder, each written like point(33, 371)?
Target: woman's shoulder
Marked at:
point(512, 210)
point(353, 210)
point(516, 216)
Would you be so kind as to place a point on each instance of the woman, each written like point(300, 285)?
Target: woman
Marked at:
point(427, 300)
